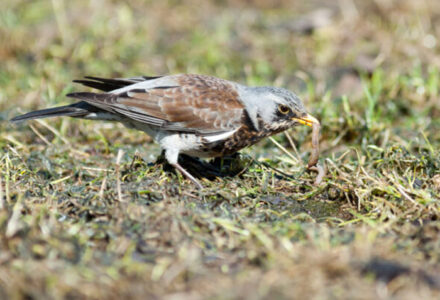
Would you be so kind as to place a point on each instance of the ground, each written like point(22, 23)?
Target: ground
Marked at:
point(76, 222)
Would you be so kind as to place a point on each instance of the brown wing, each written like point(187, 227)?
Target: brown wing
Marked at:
point(189, 103)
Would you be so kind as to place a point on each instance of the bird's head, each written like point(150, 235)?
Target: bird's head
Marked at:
point(278, 108)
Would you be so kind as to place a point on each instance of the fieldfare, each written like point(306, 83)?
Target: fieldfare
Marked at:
point(198, 115)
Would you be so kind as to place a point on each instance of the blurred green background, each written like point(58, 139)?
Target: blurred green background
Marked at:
point(369, 70)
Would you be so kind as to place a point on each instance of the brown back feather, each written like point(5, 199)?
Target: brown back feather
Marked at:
point(198, 103)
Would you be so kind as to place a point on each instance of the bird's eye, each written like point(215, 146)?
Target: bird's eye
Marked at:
point(283, 109)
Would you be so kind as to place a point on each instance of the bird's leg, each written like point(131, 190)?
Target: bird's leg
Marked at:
point(172, 155)
point(187, 174)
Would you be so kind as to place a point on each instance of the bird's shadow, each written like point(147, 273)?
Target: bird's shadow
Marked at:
point(227, 166)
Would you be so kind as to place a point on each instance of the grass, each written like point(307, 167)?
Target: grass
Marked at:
point(77, 222)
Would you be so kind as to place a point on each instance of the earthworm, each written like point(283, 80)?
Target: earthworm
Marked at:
point(321, 173)
point(313, 160)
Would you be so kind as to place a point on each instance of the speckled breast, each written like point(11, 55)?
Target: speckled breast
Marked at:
point(244, 137)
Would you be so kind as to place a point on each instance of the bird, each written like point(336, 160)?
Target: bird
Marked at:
point(197, 115)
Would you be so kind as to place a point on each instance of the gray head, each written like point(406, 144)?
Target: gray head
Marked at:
point(278, 108)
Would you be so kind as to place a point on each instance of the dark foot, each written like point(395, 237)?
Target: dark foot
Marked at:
point(188, 175)
point(227, 166)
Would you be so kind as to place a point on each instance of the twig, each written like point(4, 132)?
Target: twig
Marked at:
point(41, 136)
point(54, 131)
point(61, 179)
point(96, 169)
point(118, 174)
point(284, 150)
point(101, 191)
point(292, 144)
point(14, 225)
point(14, 141)
point(2, 201)
point(7, 178)
point(275, 169)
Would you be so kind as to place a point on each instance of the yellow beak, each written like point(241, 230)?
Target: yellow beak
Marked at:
point(307, 120)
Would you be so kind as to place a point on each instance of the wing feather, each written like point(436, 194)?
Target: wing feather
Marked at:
point(110, 84)
point(187, 103)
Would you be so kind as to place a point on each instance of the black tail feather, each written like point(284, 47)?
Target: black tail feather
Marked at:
point(79, 109)
point(103, 84)
point(110, 84)
point(83, 108)
point(106, 87)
